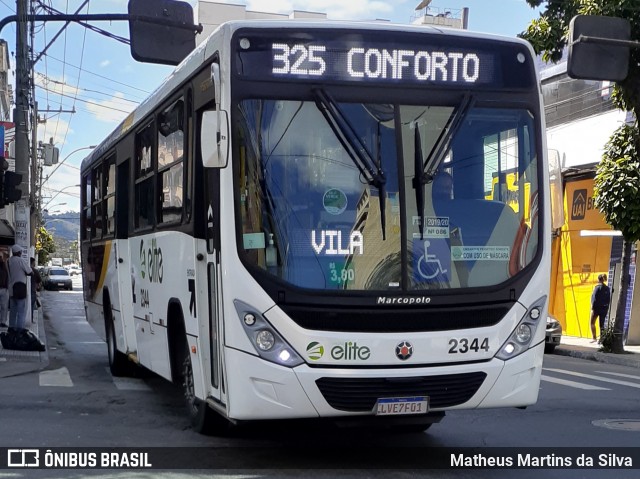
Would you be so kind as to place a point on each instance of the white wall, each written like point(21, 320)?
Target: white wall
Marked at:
point(582, 142)
point(212, 14)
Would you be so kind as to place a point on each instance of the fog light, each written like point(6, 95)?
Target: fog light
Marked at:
point(534, 313)
point(265, 340)
point(509, 348)
point(523, 333)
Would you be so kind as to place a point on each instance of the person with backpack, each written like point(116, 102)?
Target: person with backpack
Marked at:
point(18, 272)
point(600, 299)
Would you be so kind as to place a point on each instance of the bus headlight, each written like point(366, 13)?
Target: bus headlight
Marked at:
point(265, 340)
point(523, 335)
point(269, 345)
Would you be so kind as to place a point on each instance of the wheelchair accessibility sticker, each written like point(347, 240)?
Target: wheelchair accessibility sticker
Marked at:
point(431, 260)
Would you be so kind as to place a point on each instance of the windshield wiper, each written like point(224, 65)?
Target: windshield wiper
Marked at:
point(425, 171)
point(418, 178)
point(358, 152)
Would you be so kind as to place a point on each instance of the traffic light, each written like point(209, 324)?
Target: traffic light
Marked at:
point(10, 190)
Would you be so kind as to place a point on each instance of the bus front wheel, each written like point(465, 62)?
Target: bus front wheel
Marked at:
point(119, 365)
point(204, 420)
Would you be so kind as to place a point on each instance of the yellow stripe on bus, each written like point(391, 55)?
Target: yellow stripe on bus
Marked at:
point(105, 265)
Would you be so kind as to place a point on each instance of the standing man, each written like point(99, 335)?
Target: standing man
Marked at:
point(600, 299)
point(18, 272)
point(4, 290)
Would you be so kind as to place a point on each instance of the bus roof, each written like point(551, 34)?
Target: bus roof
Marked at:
point(203, 52)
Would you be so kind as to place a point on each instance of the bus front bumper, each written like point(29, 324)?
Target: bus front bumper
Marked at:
point(258, 389)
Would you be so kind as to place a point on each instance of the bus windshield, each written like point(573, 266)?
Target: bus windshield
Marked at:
point(448, 207)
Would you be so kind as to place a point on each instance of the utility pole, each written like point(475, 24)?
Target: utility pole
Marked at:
point(20, 118)
point(20, 113)
point(34, 148)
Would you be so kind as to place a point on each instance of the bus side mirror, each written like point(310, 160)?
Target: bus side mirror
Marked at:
point(214, 139)
point(555, 181)
point(214, 129)
point(599, 48)
point(167, 37)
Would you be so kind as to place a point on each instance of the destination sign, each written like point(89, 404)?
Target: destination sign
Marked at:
point(418, 58)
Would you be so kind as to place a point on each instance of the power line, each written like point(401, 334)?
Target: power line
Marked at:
point(46, 80)
point(146, 92)
point(87, 101)
point(9, 7)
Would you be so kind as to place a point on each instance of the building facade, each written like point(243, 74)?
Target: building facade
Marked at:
point(580, 119)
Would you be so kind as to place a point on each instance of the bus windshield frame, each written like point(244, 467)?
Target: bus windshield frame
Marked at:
point(331, 251)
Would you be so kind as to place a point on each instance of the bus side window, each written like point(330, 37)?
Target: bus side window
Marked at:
point(86, 219)
point(170, 162)
point(96, 199)
point(144, 174)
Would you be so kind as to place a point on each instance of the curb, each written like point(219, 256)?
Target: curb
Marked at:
point(628, 359)
point(23, 362)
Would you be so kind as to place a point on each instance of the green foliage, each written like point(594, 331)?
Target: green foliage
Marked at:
point(618, 175)
point(606, 338)
point(617, 181)
point(45, 245)
point(548, 35)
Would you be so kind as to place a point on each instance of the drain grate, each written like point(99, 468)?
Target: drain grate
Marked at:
point(619, 424)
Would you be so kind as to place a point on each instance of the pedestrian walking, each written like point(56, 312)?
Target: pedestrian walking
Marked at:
point(18, 272)
point(600, 299)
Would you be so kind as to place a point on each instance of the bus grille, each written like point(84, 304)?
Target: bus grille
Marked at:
point(396, 320)
point(361, 394)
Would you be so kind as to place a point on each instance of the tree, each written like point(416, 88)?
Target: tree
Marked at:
point(45, 245)
point(617, 182)
point(617, 195)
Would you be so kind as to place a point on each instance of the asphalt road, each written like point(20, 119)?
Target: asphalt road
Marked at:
point(76, 403)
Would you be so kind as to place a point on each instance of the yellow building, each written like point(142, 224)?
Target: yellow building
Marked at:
point(581, 251)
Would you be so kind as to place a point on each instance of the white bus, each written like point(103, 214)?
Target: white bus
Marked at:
point(298, 223)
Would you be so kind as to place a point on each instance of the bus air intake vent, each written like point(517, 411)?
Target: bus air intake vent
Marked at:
point(361, 394)
point(395, 320)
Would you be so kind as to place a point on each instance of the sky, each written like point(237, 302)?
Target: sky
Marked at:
point(95, 82)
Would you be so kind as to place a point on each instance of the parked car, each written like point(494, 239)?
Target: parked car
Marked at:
point(74, 269)
point(554, 334)
point(57, 278)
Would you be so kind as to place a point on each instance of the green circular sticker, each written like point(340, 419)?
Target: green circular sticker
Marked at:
point(334, 201)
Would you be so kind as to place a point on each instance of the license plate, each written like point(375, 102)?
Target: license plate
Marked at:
point(402, 406)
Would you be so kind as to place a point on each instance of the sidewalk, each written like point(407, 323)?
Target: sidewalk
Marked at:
point(583, 348)
point(13, 363)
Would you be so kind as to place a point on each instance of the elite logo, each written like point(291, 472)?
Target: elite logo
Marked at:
point(404, 350)
point(349, 351)
point(315, 350)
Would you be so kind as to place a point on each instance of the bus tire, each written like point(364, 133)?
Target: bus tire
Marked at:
point(203, 418)
point(119, 365)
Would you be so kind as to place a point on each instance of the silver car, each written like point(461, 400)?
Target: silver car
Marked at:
point(57, 278)
point(554, 334)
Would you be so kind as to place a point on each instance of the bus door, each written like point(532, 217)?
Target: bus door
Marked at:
point(214, 291)
point(123, 256)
